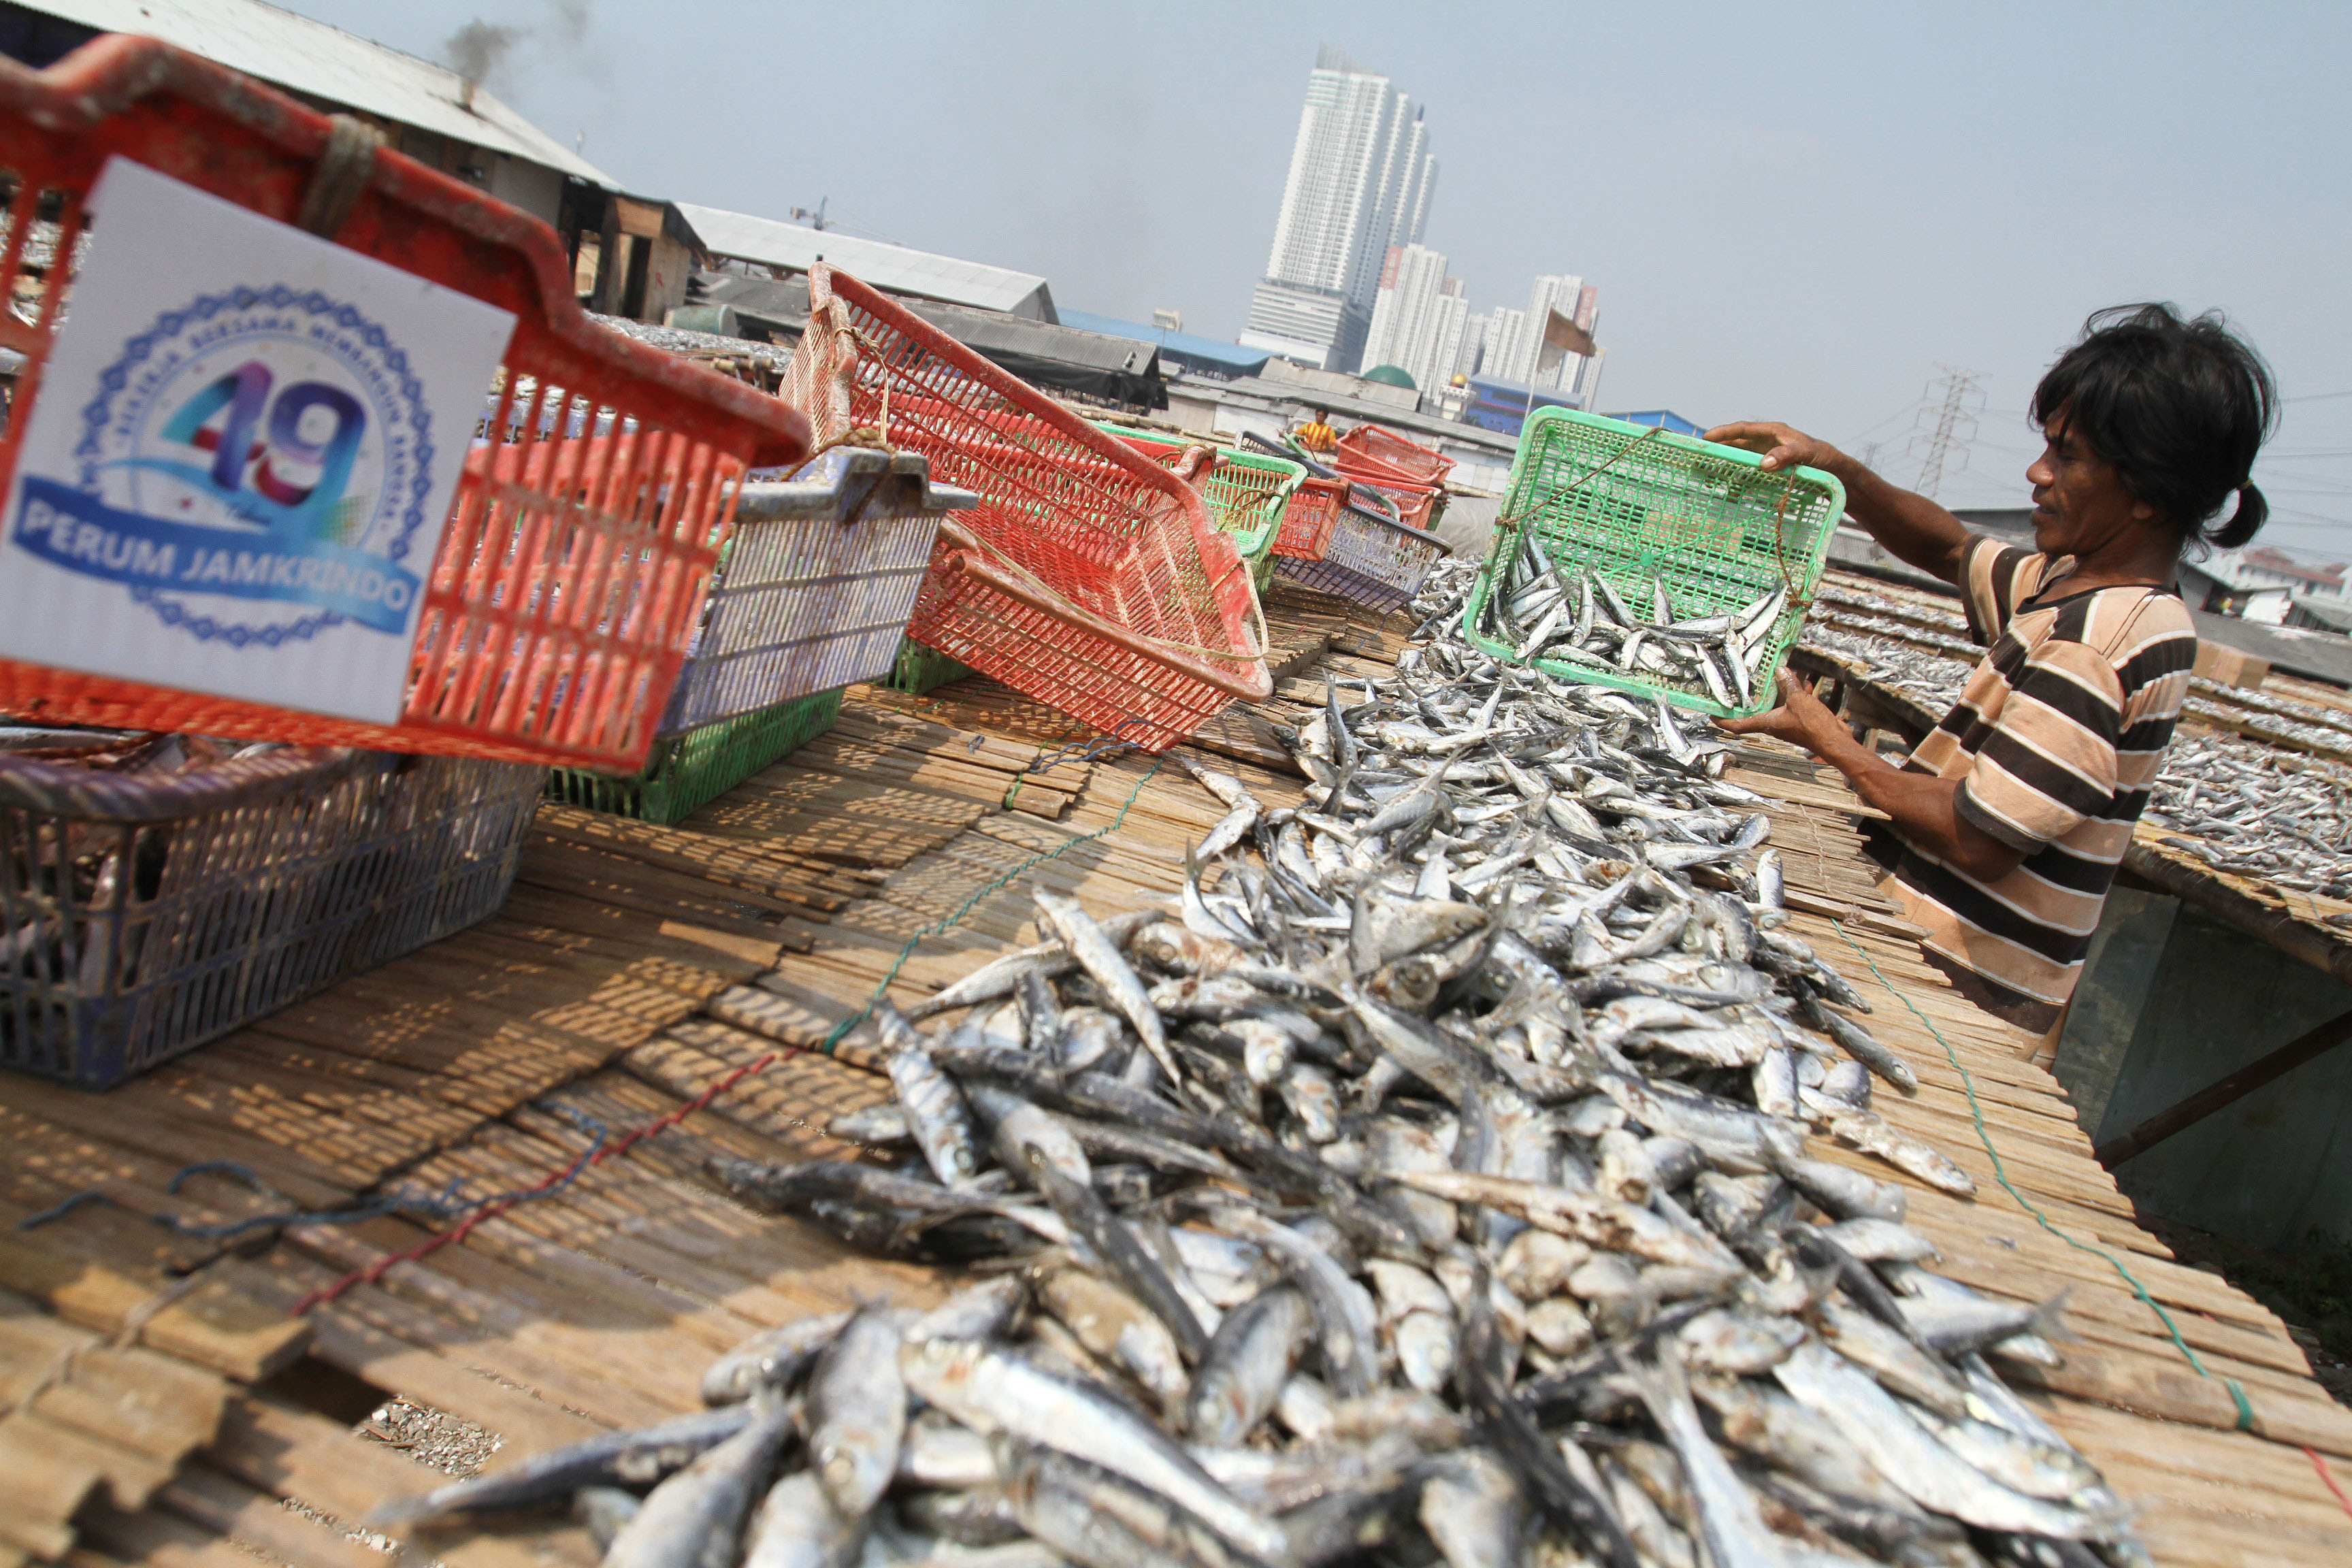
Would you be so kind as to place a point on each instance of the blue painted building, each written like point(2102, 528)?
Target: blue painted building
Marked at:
point(1503, 406)
point(1187, 349)
point(1665, 419)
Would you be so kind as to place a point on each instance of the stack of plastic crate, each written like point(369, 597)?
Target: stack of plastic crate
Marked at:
point(1249, 493)
point(1409, 475)
point(811, 594)
point(174, 863)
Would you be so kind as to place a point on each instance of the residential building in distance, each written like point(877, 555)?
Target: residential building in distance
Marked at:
point(1466, 357)
point(632, 256)
point(770, 248)
point(1361, 178)
point(1507, 333)
point(423, 110)
point(1417, 317)
point(1522, 359)
point(2263, 566)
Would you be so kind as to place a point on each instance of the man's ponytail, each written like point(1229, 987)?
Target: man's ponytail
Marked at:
point(2246, 520)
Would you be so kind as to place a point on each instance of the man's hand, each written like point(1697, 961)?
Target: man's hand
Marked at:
point(1916, 529)
point(1923, 807)
point(1801, 719)
point(1782, 447)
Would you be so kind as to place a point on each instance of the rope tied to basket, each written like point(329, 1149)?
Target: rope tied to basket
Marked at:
point(1798, 597)
point(1516, 520)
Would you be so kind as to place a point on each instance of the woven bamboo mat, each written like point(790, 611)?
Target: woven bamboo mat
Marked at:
point(682, 979)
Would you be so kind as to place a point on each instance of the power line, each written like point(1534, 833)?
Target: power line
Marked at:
point(1955, 425)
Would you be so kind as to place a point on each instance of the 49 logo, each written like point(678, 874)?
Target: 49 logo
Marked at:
point(252, 469)
point(299, 472)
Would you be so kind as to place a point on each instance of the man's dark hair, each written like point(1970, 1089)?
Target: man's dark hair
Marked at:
point(2178, 406)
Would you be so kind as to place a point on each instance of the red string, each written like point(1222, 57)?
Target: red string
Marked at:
point(431, 1243)
point(2319, 1464)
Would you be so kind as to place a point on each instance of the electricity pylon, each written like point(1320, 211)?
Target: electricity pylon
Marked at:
point(1955, 425)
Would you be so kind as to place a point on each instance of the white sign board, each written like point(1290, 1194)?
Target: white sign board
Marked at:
point(246, 442)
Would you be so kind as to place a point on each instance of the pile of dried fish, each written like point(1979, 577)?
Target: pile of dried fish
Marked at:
point(2271, 815)
point(1541, 610)
point(1932, 678)
point(1431, 1186)
point(1878, 619)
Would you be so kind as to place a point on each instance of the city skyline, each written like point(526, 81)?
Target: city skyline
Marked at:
point(1808, 255)
point(1359, 183)
point(1334, 297)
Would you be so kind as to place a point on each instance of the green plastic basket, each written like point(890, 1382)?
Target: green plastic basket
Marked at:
point(693, 769)
point(1247, 493)
point(921, 669)
point(1635, 504)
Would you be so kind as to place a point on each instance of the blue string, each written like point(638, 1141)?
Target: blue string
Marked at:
point(1101, 745)
point(2001, 1174)
point(448, 1204)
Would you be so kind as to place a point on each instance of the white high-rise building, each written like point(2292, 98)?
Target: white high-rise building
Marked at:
point(1516, 350)
point(1417, 317)
point(1361, 178)
point(1506, 345)
point(1448, 322)
point(1473, 348)
point(1558, 292)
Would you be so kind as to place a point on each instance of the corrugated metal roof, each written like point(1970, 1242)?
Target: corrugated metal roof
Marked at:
point(891, 267)
point(1187, 347)
point(312, 58)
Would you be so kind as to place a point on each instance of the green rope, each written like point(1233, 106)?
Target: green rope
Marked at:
point(955, 919)
point(2000, 1175)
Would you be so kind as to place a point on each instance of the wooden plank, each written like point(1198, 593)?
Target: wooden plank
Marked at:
point(227, 1318)
point(255, 1519)
point(283, 1449)
point(715, 860)
point(463, 1387)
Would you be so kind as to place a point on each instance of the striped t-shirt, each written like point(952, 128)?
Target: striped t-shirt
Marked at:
point(2056, 740)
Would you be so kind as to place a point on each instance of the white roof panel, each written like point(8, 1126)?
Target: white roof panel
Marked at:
point(893, 268)
point(312, 58)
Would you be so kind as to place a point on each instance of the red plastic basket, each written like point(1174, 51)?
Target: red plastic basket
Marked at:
point(1088, 577)
point(577, 557)
point(1413, 502)
point(1372, 448)
point(1313, 513)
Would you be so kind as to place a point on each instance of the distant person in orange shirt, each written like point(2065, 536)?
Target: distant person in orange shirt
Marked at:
point(1317, 435)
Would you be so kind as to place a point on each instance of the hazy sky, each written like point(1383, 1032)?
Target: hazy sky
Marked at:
point(1792, 211)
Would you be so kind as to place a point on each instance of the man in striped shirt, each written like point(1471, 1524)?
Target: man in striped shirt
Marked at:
point(2009, 820)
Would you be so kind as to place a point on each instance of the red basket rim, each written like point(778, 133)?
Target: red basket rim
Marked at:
point(1232, 591)
point(114, 72)
point(1364, 436)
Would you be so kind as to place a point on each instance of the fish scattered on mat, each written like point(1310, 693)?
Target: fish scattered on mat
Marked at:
point(1430, 1183)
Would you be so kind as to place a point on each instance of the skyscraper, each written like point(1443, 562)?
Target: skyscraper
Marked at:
point(1361, 179)
point(1516, 350)
point(1506, 345)
point(1471, 350)
point(1417, 317)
